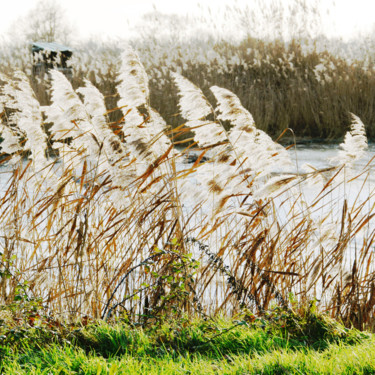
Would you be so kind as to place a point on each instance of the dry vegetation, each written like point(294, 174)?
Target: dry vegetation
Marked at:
point(310, 87)
point(118, 224)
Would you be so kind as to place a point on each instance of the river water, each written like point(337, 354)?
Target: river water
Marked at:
point(320, 155)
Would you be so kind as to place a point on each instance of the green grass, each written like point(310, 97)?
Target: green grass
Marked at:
point(277, 345)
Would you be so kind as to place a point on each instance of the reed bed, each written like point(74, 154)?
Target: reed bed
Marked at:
point(102, 219)
point(307, 85)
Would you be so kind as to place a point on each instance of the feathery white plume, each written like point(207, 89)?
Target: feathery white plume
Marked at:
point(266, 155)
point(144, 127)
point(355, 143)
point(93, 100)
point(157, 127)
point(194, 108)
point(11, 141)
point(72, 117)
point(207, 133)
point(95, 112)
point(114, 153)
point(30, 120)
point(255, 149)
point(192, 103)
point(231, 109)
point(276, 185)
point(133, 87)
point(72, 122)
point(66, 109)
point(26, 119)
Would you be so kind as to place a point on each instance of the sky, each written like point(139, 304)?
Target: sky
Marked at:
point(115, 18)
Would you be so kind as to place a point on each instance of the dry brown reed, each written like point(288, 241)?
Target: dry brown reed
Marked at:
point(98, 232)
point(310, 89)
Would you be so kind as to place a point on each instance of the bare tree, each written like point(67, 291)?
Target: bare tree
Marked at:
point(47, 22)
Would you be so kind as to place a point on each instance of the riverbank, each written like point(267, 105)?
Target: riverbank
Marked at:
point(283, 342)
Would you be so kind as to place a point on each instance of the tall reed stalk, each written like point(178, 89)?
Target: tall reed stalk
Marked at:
point(118, 223)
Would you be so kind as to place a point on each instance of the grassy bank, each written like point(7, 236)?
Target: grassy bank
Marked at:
point(282, 344)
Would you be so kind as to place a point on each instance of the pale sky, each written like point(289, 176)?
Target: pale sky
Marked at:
point(112, 18)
